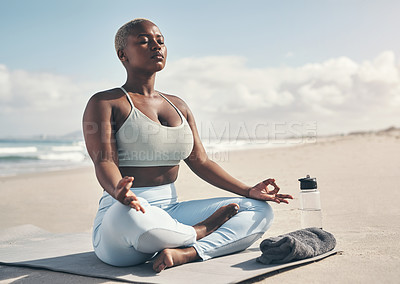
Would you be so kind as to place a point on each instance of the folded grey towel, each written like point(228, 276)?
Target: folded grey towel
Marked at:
point(296, 245)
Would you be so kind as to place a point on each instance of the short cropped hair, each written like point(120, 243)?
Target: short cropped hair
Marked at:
point(123, 32)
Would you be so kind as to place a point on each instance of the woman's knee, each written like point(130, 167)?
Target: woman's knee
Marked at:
point(113, 254)
point(118, 209)
point(263, 212)
point(120, 218)
point(266, 209)
point(256, 205)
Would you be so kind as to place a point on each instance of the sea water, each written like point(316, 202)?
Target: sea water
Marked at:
point(21, 156)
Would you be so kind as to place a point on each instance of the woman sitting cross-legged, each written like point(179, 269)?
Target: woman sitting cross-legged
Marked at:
point(136, 137)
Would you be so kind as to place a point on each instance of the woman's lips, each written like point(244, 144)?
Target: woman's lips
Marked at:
point(158, 56)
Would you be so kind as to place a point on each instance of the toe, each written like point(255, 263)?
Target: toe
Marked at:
point(161, 267)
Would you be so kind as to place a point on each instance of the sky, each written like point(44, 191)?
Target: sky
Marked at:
point(253, 68)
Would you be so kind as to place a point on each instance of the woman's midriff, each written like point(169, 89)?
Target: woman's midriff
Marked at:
point(151, 176)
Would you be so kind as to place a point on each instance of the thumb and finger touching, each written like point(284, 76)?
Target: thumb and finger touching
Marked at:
point(271, 194)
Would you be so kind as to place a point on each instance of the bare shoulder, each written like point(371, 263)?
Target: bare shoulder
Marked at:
point(106, 96)
point(102, 104)
point(179, 103)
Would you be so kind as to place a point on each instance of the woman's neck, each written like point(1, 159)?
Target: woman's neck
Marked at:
point(140, 83)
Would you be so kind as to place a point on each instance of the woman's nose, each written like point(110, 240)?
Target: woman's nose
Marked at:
point(156, 46)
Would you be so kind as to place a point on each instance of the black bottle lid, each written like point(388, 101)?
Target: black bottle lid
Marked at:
point(308, 183)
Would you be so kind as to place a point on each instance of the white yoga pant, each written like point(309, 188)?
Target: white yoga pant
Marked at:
point(124, 237)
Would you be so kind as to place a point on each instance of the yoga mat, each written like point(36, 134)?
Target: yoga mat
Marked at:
point(33, 247)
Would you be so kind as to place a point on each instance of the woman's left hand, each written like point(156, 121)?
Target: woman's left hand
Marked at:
point(262, 192)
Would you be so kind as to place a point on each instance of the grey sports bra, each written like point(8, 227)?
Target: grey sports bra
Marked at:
point(142, 142)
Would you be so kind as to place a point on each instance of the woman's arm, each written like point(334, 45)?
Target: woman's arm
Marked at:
point(100, 143)
point(208, 170)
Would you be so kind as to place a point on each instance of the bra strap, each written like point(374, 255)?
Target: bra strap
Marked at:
point(128, 96)
point(179, 112)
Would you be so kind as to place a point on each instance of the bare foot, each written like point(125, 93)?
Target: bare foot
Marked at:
point(173, 257)
point(176, 256)
point(215, 221)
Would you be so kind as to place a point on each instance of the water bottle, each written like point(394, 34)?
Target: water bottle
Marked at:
point(310, 203)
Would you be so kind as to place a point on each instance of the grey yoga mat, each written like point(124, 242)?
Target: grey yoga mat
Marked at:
point(30, 246)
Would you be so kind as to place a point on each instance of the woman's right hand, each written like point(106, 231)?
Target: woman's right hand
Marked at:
point(124, 194)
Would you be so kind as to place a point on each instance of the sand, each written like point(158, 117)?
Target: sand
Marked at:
point(358, 176)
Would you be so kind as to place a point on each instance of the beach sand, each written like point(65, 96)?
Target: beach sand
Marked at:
point(358, 176)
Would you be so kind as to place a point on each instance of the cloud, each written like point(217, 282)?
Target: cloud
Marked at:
point(41, 103)
point(339, 94)
point(24, 90)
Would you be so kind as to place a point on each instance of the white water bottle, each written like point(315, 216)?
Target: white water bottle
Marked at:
point(310, 203)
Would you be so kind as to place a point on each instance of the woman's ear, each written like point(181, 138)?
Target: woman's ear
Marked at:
point(121, 55)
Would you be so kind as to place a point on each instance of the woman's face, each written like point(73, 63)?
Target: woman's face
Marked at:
point(145, 50)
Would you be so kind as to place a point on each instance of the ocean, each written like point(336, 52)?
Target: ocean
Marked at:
point(22, 156)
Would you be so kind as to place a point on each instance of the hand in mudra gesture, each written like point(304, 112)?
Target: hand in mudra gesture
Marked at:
point(124, 194)
point(261, 191)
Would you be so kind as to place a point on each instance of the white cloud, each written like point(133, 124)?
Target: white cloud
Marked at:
point(36, 91)
point(340, 94)
point(41, 103)
point(382, 69)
